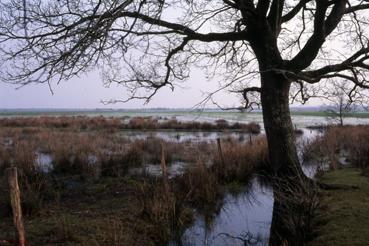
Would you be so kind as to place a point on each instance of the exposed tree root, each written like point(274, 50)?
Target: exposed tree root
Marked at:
point(325, 186)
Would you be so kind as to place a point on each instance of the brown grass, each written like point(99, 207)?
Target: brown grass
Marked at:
point(91, 167)
point(240, 161)
point(113, 124)
point(352, 140)
point(294, 212)
point(201, 186)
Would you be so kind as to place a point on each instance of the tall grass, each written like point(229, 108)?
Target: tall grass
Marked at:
point(89, 157)
point(295, 208)
point(238, 162)
point(113, 124)
point(351, 142)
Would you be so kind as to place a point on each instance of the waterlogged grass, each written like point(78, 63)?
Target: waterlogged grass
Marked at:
point(343, 218)
point(90, 197)
point(163, 113)
point(108, 212)
point(326, 114)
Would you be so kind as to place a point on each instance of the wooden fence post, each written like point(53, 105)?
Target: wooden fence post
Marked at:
point(12, 174)
point(220, 151)
point(164, 169)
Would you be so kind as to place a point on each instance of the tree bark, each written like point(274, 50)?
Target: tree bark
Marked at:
point(278, 125)
point(275, 89)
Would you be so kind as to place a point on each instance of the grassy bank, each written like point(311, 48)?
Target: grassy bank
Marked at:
point(343, 217)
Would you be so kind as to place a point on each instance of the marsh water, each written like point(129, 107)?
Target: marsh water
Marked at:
point(299, 118)
point(245, 217)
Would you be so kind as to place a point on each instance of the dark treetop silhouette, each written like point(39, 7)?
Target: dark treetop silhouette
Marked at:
point(292, 48)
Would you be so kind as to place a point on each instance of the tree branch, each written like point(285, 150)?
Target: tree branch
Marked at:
point(290, 15)
point(322, 28)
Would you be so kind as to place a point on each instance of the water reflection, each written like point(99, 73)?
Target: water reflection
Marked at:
point(255, 216)
point(244, 218)
point(44, 161)
point(174, 169)
point(192, 136)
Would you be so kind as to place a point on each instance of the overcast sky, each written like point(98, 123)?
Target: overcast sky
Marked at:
point(88, 92)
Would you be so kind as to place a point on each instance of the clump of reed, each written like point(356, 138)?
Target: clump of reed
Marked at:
point(142, 123)
point(163, 209)
point(201, 186)
point(358, 147)
point(238, 162)
point(118, 164)
point(18, 151)
point(149, 123)
point(5, 159)
point(204, 182)
point(351, 141)
point(295, 208)
point(71, 122)
point(85, 123)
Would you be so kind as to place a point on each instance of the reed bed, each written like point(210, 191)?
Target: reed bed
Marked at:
point(347, 142)
point(87, 177)
point(134, 123)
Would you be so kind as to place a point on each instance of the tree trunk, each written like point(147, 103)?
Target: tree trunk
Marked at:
point(275, 88)
point(278, 125)
point(289, 176)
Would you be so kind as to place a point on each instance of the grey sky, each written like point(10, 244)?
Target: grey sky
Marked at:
point(88, 91)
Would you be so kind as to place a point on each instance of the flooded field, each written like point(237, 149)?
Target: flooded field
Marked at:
point(300, 119)
point(245, 216)
point(241, 212)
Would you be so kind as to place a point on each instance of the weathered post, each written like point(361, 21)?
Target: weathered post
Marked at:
point(15, 200)
point(164, 169)
point(220, 151)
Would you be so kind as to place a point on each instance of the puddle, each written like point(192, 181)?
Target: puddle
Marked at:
point(308, 135)
point(174, 169)
point(8, 141)
point(185, 136)
point(44, 161)
point(243, 218)
point(343, 158)
point(92, 160)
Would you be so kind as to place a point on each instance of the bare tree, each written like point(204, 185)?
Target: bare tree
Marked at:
point(344, 101)
point(268, 50)
point(339, 109)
